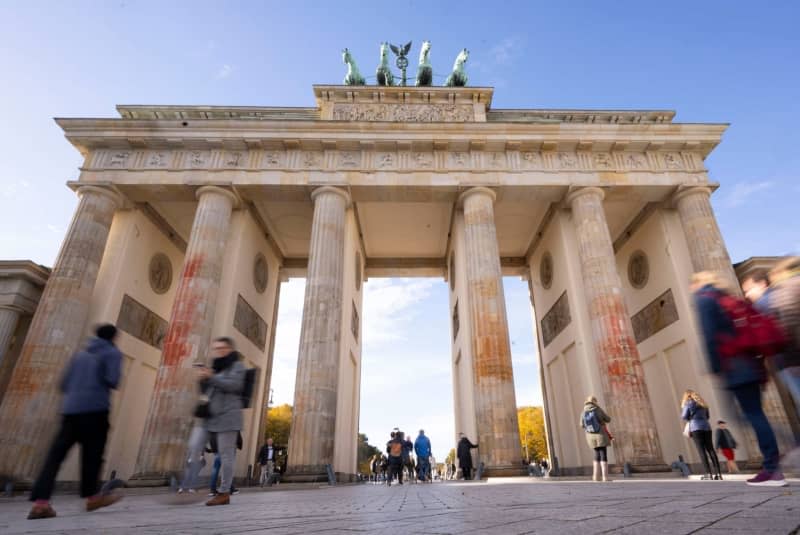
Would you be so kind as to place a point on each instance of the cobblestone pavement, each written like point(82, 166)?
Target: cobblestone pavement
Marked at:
point(507, 507)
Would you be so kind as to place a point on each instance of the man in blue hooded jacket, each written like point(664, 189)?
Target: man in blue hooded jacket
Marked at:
point(422, 447)
point(86, 385)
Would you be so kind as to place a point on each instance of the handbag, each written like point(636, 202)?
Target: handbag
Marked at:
point(686, 430)
point(202, 409)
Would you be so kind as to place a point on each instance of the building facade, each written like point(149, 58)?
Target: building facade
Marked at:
point(190, 217)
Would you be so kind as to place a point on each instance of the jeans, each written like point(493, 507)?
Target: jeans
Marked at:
point(226, 455)
point(90, 430)
point(705, 449)
point(197, 442)
point(749, 398)
point(424, 468)
point(395, 469)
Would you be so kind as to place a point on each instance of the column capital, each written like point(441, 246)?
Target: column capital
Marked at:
point(683, 191)
point(477, 190)
point(105, 191)
point(219, 191)
point(579, 192)
point(331, 189)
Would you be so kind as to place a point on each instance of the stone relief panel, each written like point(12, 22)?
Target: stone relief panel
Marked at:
point(142, 323)
point(405, 113)
point(555, 320)
point(349, 159)
point(234, 159)
point(118, 158)
point(638, 270)
point(385, 160)
point(656, 315)
point(158, 159)
point(546, 270)
point(247, 321)
point(474, 160)
point(160, 273)
point(311, 159)
point(260, 273)
point(274, 158)
point(198, 159)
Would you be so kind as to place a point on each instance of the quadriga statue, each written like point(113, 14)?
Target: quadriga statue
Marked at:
point(353, 76)
point(458, 78)
point(425, 70)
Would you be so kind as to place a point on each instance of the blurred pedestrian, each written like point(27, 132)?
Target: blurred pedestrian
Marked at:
point(694, 411)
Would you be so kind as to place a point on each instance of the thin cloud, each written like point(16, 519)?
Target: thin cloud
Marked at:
point(743, 192)
point(224, 72)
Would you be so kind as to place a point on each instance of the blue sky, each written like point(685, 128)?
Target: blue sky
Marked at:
point(710, 61)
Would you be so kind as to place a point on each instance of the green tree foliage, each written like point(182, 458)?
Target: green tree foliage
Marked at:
point(279, 422)
point(531, 432)
point(365, 453)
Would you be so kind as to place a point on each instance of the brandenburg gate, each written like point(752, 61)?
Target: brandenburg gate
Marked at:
point(190, 217)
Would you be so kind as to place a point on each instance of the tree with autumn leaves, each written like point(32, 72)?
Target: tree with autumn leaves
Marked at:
point(531, 433)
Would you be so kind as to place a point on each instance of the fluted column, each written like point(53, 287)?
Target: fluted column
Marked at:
point(706, 247)
point(9, 318)
point(314, 412)
point(169, 420)
point(31, 406)
point(495, 400)
point(621, 373)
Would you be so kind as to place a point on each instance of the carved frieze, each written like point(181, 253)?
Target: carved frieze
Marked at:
point(404, 113)
point(248, 322)
point(656, 315)
point(555, 320)
point(475, 160)
point(141, 322)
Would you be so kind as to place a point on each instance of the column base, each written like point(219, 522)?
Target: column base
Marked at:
point(306, 474)
point(503, 471)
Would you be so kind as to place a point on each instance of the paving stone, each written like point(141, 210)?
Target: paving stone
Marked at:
point(517, 507)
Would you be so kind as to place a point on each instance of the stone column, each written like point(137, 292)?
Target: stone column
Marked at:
point(706, 247)
point(621, 374)
point(29, 416)
point(9, 318)
point(495, 400)
point(314, 413)
point(169, 420)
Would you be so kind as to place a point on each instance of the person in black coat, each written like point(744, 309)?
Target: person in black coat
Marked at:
point(464, 456)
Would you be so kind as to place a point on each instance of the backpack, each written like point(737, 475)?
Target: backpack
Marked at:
point(755, 334)
point(590, 421)
point(249, 387)
point(396, 449)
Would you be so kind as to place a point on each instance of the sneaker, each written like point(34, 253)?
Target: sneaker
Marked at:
point(104, 500)
point(223, 498)
point(41, 511)
point(767, 479)
point(212, 494)
point(234, 491)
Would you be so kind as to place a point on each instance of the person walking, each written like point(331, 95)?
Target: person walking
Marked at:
point(464, 454)
point(593, 420)
point(422, 447)
point(217, 466)
point(783, 302)
point(225, 383)
point(694, 411)
point(266, 460)
point(725, 443)
point(740, 371)
point(395, 448)
point(86, 385)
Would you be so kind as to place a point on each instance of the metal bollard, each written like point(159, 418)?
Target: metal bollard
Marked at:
point(331, 475)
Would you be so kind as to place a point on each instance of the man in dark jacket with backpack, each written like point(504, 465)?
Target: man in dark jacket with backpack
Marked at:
point(225, 383)
point(394, 449)
point(742, 373)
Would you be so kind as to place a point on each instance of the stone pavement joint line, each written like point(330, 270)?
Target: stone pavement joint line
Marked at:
point(562, 508)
